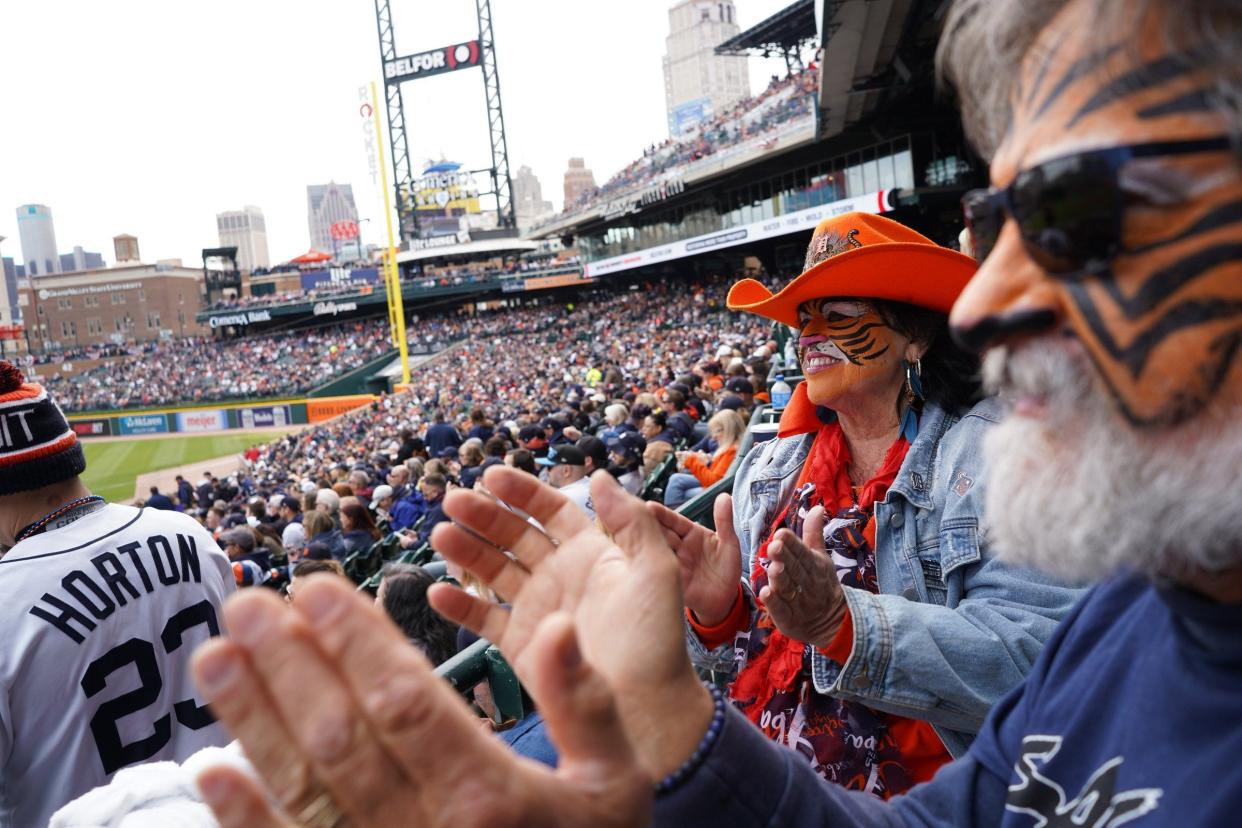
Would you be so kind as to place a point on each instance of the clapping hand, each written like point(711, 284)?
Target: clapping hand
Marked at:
point(710, 562)
point(803, 594)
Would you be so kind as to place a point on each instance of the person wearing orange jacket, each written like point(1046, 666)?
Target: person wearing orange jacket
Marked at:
point(702, 470)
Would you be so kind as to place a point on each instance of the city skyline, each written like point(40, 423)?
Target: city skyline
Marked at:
point(298, 121)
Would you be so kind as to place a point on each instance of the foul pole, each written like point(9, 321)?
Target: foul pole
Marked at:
point(396, 307)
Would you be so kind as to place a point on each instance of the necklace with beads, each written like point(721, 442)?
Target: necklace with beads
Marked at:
point(62, 516)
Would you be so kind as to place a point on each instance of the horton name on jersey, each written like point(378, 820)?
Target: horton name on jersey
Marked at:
point(116, 578)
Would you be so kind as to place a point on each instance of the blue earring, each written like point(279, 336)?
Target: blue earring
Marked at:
point(914, 398)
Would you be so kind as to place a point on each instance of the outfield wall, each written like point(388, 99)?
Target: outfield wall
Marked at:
point(224, 417)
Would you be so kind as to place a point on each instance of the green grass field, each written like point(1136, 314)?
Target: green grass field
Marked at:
point(112, 466)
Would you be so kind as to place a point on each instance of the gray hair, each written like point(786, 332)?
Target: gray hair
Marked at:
point(981, 52)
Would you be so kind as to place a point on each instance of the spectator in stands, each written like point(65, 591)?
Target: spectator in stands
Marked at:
point(402, 594)
point(661, 441)
point(481, 428)
point(328, 502)
point(616, 419)
point(399, 480)
point(523, 460)
point(744, 388)
point(358, 530)
point(566, 467)
point(440, 435)
point(888, 409)
point(239, 545)
point(703, 470)
point(410, 445)
point(381, 503)
point(470, 456)
point(625, 453)
point(307, 568)
point(360, 484)
point(214, 521)
point(407, 511)
point(291, 514)
point(432, 487)
point(533, 439)
point(206, 492)
point(321, 530)
point(494, 452)
point(185, 494)
point(596, 453)
point(159, 501)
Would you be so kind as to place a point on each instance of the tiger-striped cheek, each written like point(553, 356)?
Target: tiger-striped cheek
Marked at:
point(869, 348)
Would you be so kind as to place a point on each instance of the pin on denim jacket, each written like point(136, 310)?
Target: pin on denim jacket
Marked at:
point(952, 628)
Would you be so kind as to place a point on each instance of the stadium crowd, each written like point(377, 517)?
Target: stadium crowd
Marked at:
point(783, 100)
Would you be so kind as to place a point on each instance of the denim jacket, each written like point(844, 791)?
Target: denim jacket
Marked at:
point(952, 628)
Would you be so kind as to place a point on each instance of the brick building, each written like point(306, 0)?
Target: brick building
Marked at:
point(129, 303)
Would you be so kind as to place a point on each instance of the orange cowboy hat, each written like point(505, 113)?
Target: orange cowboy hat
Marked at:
point(867, 256)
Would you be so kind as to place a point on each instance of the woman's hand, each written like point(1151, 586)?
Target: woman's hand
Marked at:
point(341, 718)
point(711, 562)
point(803, 594)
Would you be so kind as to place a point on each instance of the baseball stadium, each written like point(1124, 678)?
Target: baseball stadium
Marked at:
point(813, 466)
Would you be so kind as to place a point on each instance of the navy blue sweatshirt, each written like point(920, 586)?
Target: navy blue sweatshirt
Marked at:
point(1132, 715)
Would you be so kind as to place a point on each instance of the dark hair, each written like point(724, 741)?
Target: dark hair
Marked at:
point(524, 459)
point(405, 601)
point(495, 446)
point(257, 508)
point(675, 398)
point(360, 518)
point(950, 375)
point(436, 481)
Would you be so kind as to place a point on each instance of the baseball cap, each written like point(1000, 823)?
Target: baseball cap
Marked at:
point(739, 385)
point(242, 536)
point(249, 573)
point(379, 494)
point(309, 486)
point(629, 444)
point(594, 448)
point(563, 456)
point(292, 503)
point(732, 402)
point(531, 432)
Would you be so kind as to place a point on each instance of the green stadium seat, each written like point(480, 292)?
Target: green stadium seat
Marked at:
point(653, 486)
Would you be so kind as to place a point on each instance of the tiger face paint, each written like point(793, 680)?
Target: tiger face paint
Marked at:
point(1162, 325)
point(847, 349)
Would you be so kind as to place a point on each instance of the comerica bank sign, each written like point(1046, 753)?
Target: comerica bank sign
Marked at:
point(238, 319)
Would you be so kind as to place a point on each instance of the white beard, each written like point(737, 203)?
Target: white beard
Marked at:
point(1080, 493)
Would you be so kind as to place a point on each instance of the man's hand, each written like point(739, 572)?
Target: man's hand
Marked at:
point(711, 562)
point(347, 724)
point(622, 593)
point(804, 595)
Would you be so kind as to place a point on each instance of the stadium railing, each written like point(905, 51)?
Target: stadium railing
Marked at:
point(479, 663)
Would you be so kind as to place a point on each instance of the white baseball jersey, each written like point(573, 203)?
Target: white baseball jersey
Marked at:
point(99, 619)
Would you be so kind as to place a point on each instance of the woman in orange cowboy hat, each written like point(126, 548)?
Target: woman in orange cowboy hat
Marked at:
point(849, 593)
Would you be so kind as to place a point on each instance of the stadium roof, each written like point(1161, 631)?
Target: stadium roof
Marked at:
point(861, 60)
point(784, 31)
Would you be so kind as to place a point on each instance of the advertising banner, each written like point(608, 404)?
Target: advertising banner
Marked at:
point(209, 420)
point(877, 202)
point(239, 318)
point(142, 424)
point(325, 409)
point(265, 417)
point(557, 280)
point(91, 428)
point(312, 279)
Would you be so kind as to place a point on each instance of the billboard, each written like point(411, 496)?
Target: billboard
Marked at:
point(877, 202)
point(209, 420)
point(319, 410)
point(434, 62)
point(442, 195)
point(142, 424)
point(339, 276)
point(91, 428)
point(265, 416)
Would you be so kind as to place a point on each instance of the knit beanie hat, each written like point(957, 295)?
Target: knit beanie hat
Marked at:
point(37, 447)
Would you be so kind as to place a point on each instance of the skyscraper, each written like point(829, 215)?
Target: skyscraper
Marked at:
point(578, 180)
point(38, 237)
point(326, 204)
point(699, 83)
point(80, 259)
point(246, 230)
point(528, 202)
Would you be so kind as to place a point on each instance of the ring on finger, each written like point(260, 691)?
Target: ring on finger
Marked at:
point(322, 812)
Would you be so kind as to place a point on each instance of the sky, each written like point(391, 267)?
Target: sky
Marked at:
point(149, 117)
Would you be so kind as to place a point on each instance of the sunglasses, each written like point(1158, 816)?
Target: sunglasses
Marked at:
point(1069, 210)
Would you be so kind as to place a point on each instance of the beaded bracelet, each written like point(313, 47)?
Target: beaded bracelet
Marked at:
point(674, 780)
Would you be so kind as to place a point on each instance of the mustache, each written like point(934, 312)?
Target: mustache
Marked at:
point(1056, 370)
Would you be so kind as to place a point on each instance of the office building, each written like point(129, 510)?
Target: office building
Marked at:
point(38, 239)
point(326, 204)
point(528, 201)
point(698, 83)
point(578, 180)
point(80, 259)
point(246, 230)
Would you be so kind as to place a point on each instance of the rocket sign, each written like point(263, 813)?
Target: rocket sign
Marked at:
point(424, 64)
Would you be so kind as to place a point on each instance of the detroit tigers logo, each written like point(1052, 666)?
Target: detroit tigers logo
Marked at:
point(828, 244)
point(1096, 805)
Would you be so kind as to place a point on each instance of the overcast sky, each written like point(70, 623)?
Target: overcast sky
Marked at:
point(149, 117)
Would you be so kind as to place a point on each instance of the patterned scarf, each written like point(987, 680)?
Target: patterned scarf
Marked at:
point(850, 743)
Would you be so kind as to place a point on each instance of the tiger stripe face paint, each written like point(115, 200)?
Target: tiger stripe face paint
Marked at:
point(845, 347)
point(1162, 323)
